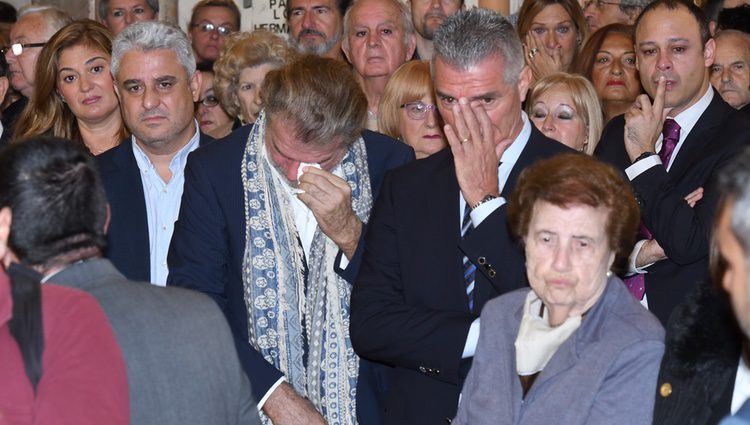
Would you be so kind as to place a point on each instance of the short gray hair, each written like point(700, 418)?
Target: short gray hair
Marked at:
point(734, 181)
point(153, 35)
point(104, 7)
point(472, 36)
point(405, 16)
point(54, 17)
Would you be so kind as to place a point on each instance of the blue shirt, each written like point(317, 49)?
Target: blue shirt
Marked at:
point(162, 203)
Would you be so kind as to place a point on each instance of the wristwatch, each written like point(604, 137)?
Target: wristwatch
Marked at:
point(644, 155)
point(483, 200)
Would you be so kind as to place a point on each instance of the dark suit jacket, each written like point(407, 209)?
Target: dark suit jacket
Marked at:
point(208, 243)
point(682, 232)
point(409, 306)
point(127, 236)
point(177, 347)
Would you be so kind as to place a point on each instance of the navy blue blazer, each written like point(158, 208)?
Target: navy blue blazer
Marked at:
point(409, 307)
point(127, 236)
point(208, 243)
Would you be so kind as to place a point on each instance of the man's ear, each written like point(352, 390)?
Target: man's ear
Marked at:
point(6, 218)
point(195, 85)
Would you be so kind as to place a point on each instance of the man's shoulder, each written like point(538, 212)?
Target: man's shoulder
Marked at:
point(222, 152)
point(382, 148)
point(116, 158)
point(542, 146)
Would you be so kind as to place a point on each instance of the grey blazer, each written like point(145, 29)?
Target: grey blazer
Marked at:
point(605, 373)
point(181, 361)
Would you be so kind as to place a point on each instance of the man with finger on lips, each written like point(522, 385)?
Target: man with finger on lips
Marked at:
point(422, 285)
point(271, 228)
point(669, 147)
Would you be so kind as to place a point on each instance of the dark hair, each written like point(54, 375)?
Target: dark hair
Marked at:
point(341, 6)
point(574, 179)
point(59, 207)
point(26, 324)
point(585, 63)
point(694, 10)
point(736, 18)
point(8, 13)
point(205, 66)
point(3, 66)
point(711, 9)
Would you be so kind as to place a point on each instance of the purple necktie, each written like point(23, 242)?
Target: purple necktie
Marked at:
point(671, 135)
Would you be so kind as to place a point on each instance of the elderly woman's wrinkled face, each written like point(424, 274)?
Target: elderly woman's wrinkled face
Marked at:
point(248, 90)
point(567, 257)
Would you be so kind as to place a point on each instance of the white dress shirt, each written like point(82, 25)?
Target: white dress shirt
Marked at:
point(507, 162)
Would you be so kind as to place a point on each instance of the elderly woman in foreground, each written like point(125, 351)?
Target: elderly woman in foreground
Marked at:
point(576, 347)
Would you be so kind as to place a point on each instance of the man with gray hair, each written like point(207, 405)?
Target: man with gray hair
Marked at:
point(155, 79)
point(437, 247)
point(118, 14)
point(730, 72)
point(35, 26)
point(378, 38)
point(599, 13)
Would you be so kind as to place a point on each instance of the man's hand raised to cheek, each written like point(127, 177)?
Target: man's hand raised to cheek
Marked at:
point(330, 199)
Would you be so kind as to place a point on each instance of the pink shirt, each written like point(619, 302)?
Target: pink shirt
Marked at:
point(83, 373)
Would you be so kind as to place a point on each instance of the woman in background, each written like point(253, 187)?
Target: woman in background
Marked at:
point(408, 111)
point(552, 32)
point(212, 118)
point(240, 70)
point(608, 61)
point(566, 108)
point(74, 97)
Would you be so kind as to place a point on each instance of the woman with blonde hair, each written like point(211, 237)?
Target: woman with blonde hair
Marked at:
point(408, 111)
point(242, 67)
point(74, 96)
point(552, 32)
point(565, 107)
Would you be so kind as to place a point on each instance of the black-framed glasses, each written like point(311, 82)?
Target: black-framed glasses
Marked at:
point(223, 30)
point(17, 48)
point(418, 110)
point(209, 101)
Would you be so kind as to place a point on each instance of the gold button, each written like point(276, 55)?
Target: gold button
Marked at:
point(491, 273)
point(666, 389)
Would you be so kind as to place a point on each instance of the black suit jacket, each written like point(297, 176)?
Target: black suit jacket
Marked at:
point(208, 243)
point(409, 305)
point(683, 232)
point(127, 236)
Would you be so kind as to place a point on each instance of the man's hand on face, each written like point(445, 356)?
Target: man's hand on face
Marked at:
point(475, 150)
point(330, 199)
point(644, 122)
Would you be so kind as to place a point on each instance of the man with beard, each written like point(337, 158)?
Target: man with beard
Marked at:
point(729, 73)
point(427, 16)
point(316, 26)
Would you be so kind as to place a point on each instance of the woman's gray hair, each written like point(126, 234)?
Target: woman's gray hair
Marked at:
point(153, 35)
point(472, 36)
point(405, 16)
point(734, 181)
point(53, 16)
point(104, 7)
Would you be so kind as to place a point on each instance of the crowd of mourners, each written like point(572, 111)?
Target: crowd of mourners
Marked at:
point(400, 212)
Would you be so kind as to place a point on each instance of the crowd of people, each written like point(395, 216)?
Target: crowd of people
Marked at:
point(399, 213)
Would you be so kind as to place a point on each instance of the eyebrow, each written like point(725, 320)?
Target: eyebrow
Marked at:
point(567, 21)
point(671, 40)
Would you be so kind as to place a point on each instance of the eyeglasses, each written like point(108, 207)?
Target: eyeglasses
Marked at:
point(418, 110)
point(17, 48)
point(209, 101)
point(601, 3)
point(223, 30)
